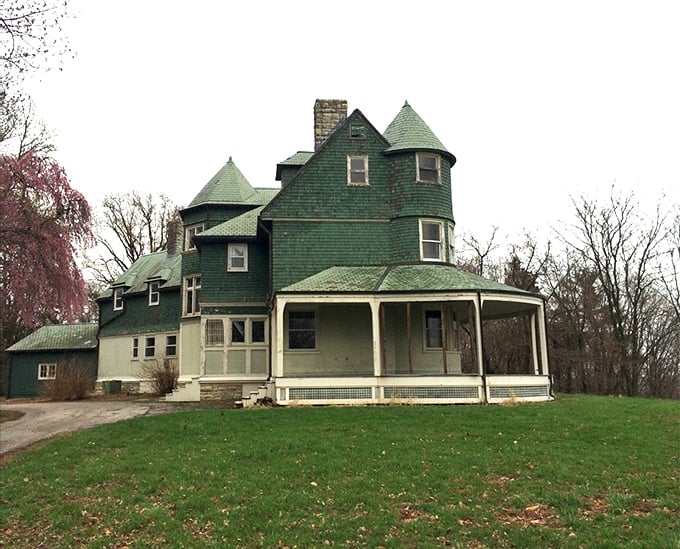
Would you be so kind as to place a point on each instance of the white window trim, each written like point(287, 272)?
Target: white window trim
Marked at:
point(442, 252)
point(206, 331)
point(154, 294)
point(147, 346)
point(167, 337)
point(135, 348)
point(188, 244)
point(439, 168)
point(118, 299)
point(230, 267)
point(451, 243)
point(196, 306)
point(248, 331)
point(51, 371)
point(351, 157)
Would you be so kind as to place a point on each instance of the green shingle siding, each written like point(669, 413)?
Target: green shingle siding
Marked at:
point(138, 317)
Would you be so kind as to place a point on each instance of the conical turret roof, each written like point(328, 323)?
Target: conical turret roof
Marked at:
point(408, 132)
point(227, 186)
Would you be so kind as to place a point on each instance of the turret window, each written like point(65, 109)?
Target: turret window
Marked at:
point(357, 170)
point(428, 168)
point(431, 240)
point(189, 234)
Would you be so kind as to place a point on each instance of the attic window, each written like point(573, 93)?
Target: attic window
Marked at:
point(357, 131)
point(357, 170)
point(154, 295)
point(427, 166)
point(118, 299)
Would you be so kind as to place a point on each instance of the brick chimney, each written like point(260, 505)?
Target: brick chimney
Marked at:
point(175, 236)
point(328, 113)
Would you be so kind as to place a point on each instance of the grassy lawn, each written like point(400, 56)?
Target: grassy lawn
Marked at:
point(579, 472)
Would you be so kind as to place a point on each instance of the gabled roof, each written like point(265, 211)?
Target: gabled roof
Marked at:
point(158, 266)
point(227, 186)
point(296, 160)
point(397, 278)
point(408, 132)
point(243, 225)
point(59, 337)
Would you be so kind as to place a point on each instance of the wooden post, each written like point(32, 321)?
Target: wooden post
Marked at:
point(443, 329)
point(383, 337)
point(408, 330)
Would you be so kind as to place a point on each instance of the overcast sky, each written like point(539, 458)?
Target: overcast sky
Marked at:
point(539, 101)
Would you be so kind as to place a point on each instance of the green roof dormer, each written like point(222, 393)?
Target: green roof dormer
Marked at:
point(227, 186)
point(408, 132)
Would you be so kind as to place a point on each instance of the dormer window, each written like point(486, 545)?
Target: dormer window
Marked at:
point(189, 234)
point(428, 168)
point(154, 294)
point(118, 299)
point(357, 131)
point(357, 170)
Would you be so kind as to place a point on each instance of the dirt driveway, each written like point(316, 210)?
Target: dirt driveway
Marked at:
point(43, 420)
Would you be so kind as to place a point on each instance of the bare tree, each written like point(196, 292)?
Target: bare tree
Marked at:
point(476, 254)
point(128, 226)
point(21, 130)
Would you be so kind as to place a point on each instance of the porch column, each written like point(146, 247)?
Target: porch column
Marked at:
point(377, 339)
point(534, 349)
point(478, 335)
point(543, 340)
point(278, 345)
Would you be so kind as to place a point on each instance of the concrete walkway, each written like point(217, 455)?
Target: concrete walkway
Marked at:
point(43, 420)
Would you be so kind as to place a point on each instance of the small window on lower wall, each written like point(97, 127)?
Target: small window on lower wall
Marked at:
point(47, 371)
point(135, 348)
point(301, 330)
point(150, 348)
point(171, 345)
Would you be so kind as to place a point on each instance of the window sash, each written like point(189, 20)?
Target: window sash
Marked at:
point(154, 294)
point(135, 347)
point(150, 347)
point(357, 170)
point(47, 371)
point(301, 330)
point(433, 329)
point(431, 241)
point(237, 257)
point(189, 235)
point(428, 168)
point(117, 299)
point(192, 295)
point(171, 345)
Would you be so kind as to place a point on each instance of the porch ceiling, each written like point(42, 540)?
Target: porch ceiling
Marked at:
point(398, 278)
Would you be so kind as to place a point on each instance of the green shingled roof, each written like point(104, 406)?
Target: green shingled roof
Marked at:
point(157, 266)
point(397, 278)
point(227, 186)
point(408, 132)
point(59, 336)
point(298, 159)
point(243, 225)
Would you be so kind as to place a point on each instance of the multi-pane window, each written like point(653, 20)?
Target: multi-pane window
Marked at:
point(433, 329)
point(154, 294)
point(357, 170)
point(150, 347)
point(135, 347)
point(301, 330)
point(192, 295)
point(431, 241)
point(214, 332)
point(117, 299)
point(428, 168)
point(189, 234)
point(171, 345)
point(237, 257)
point(47, 371)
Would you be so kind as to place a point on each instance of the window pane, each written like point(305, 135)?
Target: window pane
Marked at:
point(214, 333)
point(433, 329)
point(171, 345)
point(357, 177)
point(303, 339)
point(357, 164)
point(238, 331)
point(431, 250)
point(431, 231)
point(237, 262)
point(257, 328)
point(428, 162)
point(301, 330)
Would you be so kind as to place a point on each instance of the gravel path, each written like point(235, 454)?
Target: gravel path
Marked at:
point(43, 420)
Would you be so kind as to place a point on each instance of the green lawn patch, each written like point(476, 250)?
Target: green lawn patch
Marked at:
point(579, 472)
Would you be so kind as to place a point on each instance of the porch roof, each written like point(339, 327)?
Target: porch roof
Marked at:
point(397, 278)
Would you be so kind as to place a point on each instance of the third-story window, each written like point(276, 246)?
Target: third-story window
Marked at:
point(301, 330)
point(357, 170)
point(428, 168)
point(154, 295)
point(189, 234)
point(238, 257)
point(192, 295)
point(431, 241)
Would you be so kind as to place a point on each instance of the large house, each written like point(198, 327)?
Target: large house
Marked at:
point(338, 288)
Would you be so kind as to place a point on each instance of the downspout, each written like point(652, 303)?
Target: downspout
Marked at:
point(481, 346)
point(271, 295)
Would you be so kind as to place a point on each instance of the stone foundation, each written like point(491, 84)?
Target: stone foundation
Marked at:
point(221, 391)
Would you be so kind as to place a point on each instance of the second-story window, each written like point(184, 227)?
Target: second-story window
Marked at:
point(431, 240)
point(192, 295)
point(428, 168)
point(357, 170)
point(237, 257)
point(154, 294)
